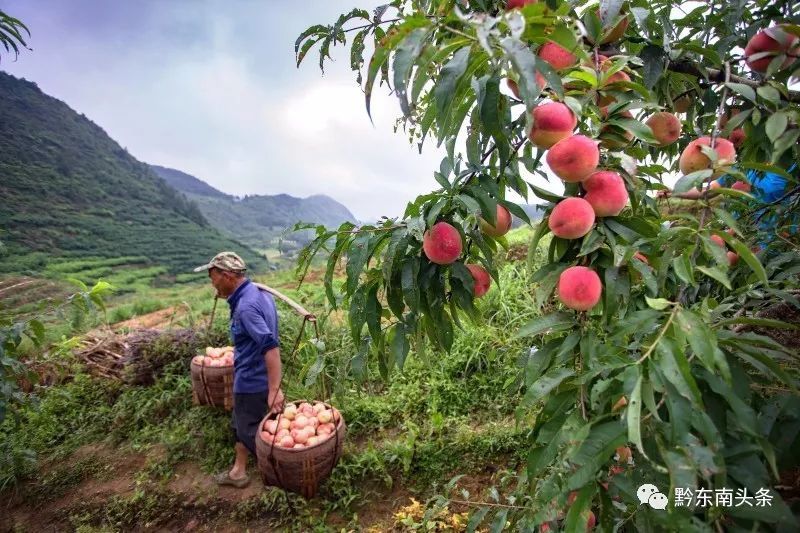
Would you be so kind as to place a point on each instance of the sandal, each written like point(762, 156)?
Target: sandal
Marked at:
point(224, 478)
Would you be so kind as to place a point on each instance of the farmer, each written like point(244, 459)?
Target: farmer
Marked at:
point(257, 357)
point(767, 188)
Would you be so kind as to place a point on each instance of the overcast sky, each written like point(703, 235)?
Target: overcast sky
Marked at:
point(211, 88)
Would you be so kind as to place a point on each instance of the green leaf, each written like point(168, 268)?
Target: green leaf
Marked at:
point(745, 254)
point(659, 304)
point(691, 181)
point(776, 125)
point(745, 90)
point(655, 61)
point(445, 89)
point(553, 322)
point(398, 343)
point(633, 414)
point(701, 338)
point(682, 265)
point(544, 385)
point(717, 274)
point(769, 94)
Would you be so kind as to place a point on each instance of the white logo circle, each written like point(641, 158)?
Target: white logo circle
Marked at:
point(645, 491)
point(658, 501)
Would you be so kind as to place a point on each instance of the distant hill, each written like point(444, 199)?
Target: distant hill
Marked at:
point(258, 221)
point(69, 192)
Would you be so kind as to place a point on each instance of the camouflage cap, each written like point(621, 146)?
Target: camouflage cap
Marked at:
point(224, 261)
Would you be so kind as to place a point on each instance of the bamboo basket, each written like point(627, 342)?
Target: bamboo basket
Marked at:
point(212, 385)
point(300, 470)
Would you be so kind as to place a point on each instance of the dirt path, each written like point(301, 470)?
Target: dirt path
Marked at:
point(160, 319)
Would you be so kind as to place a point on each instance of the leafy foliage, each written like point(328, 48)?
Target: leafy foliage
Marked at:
point(663, 335)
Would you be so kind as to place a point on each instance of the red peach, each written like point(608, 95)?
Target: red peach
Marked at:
point(666, 127)
point(733, 258)
point(742, 186)
point(573, 159)
point(715, 185)
point(482, 279)
point(559, 57)
point(643, 258)
point(513, 4)
point(768, 44)
point(606, 191)
point(590, 523)
point(716, 239)
point(502, 223)
point(579, 288)
point(624, 454)
point(552, 122)
point(622, 402)
point(572, 497)
point(571, 218)
point(682, 104)
point(442, 244)
point(737, 137)
point(693, 159)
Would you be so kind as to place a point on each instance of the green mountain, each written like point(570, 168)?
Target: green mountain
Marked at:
point(258, 221)
point(68, 192)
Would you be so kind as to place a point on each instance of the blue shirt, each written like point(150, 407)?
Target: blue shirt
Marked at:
point(254, 330)
point(767, 187)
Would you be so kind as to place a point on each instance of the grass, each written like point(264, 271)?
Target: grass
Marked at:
point(440, 415)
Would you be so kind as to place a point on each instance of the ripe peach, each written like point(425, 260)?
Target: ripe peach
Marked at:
point(716, 239)
point(304, 405)
point(325, 417)
point(591, 522)
point(622, 402)
point(666, 127)
point(502, 223)
point(298, 446)
point(682, 104)
point(271, 426)
point(606, 192)
point(733, 258)
point(571, 218)
point(737, 137)
point(624, 453)
point(742, 186)
point(768, 44)
point(282, 433)
point(573, 159)
point(643, 258)
point(559, 57)
point(286, 442)
point(290, 412)
point(693, 159)
point(267, 437)
point(552, 122)
point(442, 244)
point(715, 185)
point(615, 470)
point(482, 279)
point(579, 288)
point(299, 436)
point(512, 4)
point(284, 423)
point(572, 497)
point(312, 441)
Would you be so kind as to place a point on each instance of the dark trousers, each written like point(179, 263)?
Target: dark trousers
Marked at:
point(248, 412)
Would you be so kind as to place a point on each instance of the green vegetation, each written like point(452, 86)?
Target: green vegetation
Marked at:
point(71, 192)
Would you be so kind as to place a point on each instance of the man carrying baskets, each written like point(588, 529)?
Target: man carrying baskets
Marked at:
point(257, 358)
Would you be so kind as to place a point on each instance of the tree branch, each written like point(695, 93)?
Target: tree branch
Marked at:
point(718, 76)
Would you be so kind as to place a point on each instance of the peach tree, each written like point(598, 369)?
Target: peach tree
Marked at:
point(643, 368)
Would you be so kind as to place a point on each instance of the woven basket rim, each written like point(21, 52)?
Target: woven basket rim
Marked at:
point(209, 366)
